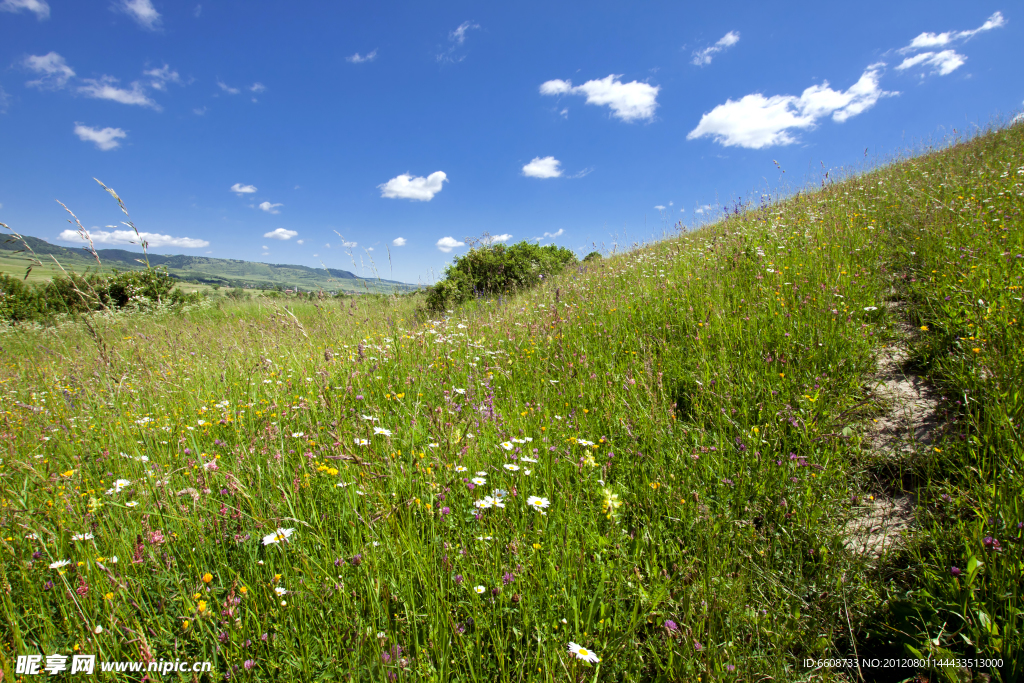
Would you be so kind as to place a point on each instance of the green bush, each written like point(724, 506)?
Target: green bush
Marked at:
point(497, 269)
point(76, 293)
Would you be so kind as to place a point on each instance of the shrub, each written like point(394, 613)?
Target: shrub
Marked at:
point(497, 269)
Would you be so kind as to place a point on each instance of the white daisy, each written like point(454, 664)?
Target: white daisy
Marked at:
point(280, 590)
point(480, 590)
point(536, 502)
point(60, 564)
point(481, 474)
point(510, 467)
point(381, 430)
point(479, 481)
point(82, 537)
point(528, 460)
point(583, 653)
point(362, 442)
point(298, 435)
point(460, 468)
point(131, 503)
point(278, 536)
point(507, 445)
point(459, 391)
point(484, 503)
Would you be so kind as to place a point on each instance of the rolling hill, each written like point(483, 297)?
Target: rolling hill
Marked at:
point(198, 269)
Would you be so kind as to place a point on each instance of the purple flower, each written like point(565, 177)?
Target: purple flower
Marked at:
point(991, 543)
point(671, 625)
point(732, 667)
point(249, 664)
point(955, 571)
point(507, 578)
point(458, 579)
point(356, 560)
point(445, 510)
point(697, 646)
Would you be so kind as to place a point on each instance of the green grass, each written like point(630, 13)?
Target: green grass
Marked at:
point(719, 375)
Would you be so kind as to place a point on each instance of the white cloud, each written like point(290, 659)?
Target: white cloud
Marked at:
point(547, 167)
point(457, 38)
point(349, 245)
point(105, 138)
point(398, 241)
point(280, 234)
point(927, 41)
point(419, 188)
point(756, 121)
point(142, 11)
point(257, 87)
point(198, 11)
point(40, 7)
point(553, 235)
point(500, 238)
point(300, 242)
point(628, 101)
point(199, 111)
point(106, 89)
point(942, 63)
point(659, 207)
point(359, 59)
point(227, 88)
point(161, 77)
point(240, 189)
point(446, 244)
point(270, 208)
point(369, 249)
point(129, 237)
point(53, 71)
point(703, 57)
point(702, 209)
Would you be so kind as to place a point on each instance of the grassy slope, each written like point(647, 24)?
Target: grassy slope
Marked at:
point(226, 272)
point(718, 375)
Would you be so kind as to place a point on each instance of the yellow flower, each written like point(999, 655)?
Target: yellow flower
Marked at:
point(184, 625)
point(924, 328)
point(108, 596)
point(207, 577)
point(976, 350)
point(243, 590)
point(202, 606)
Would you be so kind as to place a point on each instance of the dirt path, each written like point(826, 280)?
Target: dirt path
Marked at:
point(906, 425)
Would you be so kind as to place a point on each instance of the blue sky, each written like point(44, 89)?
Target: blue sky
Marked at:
point(334, 133)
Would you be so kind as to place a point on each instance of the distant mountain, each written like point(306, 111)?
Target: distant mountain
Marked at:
point(214, 271)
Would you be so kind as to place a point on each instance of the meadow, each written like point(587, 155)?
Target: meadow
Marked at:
point(644, 469)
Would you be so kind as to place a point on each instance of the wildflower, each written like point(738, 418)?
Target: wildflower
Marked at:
point(484, 503)
point(538, 503)
point(458, 579)
point(671, 625)
point(583, 653)
point(479, 481)
point(510, 467)
point(871, 308)
point(278, 536)
point(280, 590)
point(131, 503)
point(584, 442)
point(201, 607)
point(370, 418)
point(118, 486)
point(60, 564)
point(362, 442)
point(460, 468)
point(480, 590)
point(525, 459)
point(459, 391)
point(955, 571)
point(98, 630)
point(82, 537)
point(507, 445)
point(381, 430)
point(481, 474)
point(207, 577)
point(431, 445)
point(924, 328)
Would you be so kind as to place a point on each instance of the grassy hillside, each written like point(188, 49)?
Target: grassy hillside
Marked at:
point(683, 459)
point(199, 269)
